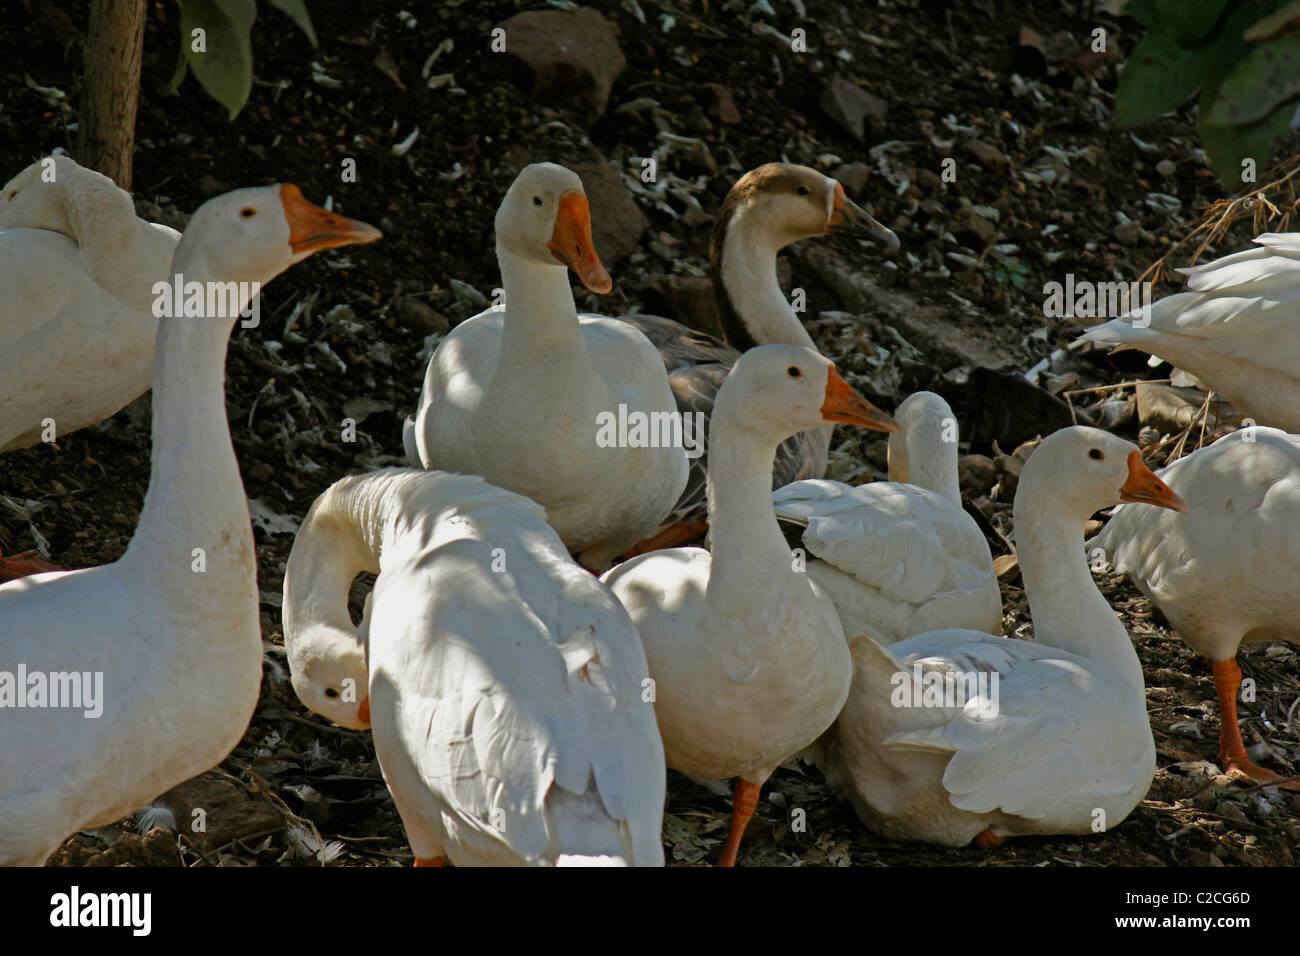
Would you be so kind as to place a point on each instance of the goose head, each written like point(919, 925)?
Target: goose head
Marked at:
point(782, 203)
point(1087, 469)
point(783, 389)
point(61, 197)
point(329, 674)
point(924, 452)
point(252, 235)
point(545, 219)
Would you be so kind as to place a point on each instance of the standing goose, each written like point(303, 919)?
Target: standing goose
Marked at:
point(1225, 574)
point(161, 651)
point(958, 735)
point(748, 658)
point(900, 557)
point(77, 270)
point(517, 393)
point(1237, 329)
point(505, 683)
point(767, 209)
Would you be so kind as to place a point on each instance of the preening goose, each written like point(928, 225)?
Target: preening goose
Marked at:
point(900, 557)
point(767, 209)
point(505, 682)
point(748, 658)
point(958, 735)
point(77, 269)
point(1225, 573)
point(518, 394)
point(1237, 329)
point(156, 658)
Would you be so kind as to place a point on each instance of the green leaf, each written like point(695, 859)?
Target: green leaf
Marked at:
point(225, 68)
point(1227, 146)
point(297, 11)
point(1267, 76)
point(1158, 75)
point(1186, 22)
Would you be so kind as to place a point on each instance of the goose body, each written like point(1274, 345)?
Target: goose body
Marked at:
point(518, 393)
point(767, 209)
point(172, 642)
point(77, 330)
point(958, 735)
point(1225, 574)
point(1237, 329)
point(505, 683)
point(900, 557)
point(747, 655)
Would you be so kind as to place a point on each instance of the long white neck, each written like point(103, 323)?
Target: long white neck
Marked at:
point(748, 277)
point(750, 558)
point(541, 319)
point(1068, 610)
point(342, 536)
point(196, 496)
point(922, 455)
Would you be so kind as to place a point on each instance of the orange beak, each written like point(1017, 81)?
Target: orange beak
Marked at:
point(1143, 486)
point(312, 228)
point(846, 216)
point(571, 242)
point(843, 404)
point(363, 711)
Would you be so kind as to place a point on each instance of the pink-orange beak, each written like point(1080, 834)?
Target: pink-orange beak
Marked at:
point(571, 242)
point(1143, 486)
point(847, 216)
point(843, 404)
point(363, 711)
point(312, 228)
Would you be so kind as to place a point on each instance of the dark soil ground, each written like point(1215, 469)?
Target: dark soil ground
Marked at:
point(344, 335)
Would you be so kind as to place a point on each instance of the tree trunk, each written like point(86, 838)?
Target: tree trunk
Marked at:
point(106, 140)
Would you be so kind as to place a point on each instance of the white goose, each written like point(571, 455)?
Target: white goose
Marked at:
point(505, 682)
point(166, 640)
point(77, 269)
point(957, 735)
point(1237, 329)
point(767, 209)
point(1225, 574)
point(517, 394)
point(900, 557)
point(747, 655)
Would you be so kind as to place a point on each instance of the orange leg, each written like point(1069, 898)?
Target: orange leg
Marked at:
point(986, 839)
point(743, 804)
point(1232, 749)
point(21, 565)
point(428, 861)
point(674, 536)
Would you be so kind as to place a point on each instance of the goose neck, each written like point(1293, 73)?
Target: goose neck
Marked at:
point(753, 308)
point(1067, 609)
point(748, 549)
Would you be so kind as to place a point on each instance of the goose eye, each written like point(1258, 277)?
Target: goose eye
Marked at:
point(537, 200)
point(248, 212)
point(12, 195)
point(793, 371)
point(1096, 453)
point(802, 190)
point(331, 693)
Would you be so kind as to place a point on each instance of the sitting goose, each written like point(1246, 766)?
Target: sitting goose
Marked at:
point(958, 735)
point(77, 270)
point(900, 557)
point(517, 393)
